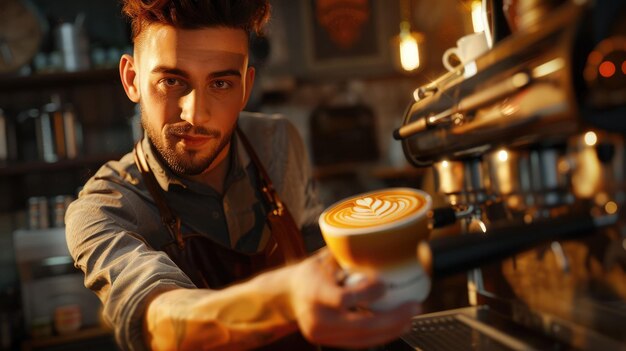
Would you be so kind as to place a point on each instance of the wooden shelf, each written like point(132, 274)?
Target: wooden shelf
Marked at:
point(58, 79)
point(17, 168)
point(101, 106)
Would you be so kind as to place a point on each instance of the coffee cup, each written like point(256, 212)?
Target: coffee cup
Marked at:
point(467, 49)
point(376, 234)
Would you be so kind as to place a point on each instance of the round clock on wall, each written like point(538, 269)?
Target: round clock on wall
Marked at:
point(21, 32)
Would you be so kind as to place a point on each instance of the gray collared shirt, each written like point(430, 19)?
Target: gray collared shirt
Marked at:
point(114, 230)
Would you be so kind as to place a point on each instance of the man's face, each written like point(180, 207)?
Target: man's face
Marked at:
point(192, 84)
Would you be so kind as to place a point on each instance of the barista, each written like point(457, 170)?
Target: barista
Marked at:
point(171, 237)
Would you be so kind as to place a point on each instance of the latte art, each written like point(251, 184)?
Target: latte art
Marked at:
point(374, 209)
point(369, 207)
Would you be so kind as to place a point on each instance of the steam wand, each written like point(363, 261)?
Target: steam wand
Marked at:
point(449, 255)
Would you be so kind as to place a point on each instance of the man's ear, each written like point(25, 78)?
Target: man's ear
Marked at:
point(250, 72)
point(128, 74)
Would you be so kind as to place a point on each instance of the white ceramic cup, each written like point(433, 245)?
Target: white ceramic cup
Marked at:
point(376, 234)
point(467, 49)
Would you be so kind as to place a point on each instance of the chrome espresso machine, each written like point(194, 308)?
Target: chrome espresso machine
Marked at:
point(527, 147)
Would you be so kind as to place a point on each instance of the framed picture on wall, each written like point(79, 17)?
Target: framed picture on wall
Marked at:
point(347, 37)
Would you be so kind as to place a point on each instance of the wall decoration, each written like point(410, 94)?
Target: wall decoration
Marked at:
point(346, 36)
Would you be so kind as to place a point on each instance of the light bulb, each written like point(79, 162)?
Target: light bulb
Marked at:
point(590, 138)
point(409, 49)
point(503, 155)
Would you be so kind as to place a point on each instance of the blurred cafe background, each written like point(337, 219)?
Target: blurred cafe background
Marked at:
point(511, 113)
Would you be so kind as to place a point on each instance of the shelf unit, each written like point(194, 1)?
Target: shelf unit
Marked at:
point(57, 79)
point(14, 169)
point(103, 110)
point(101, 107)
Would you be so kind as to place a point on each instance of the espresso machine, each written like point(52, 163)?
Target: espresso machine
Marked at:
point(527, 146)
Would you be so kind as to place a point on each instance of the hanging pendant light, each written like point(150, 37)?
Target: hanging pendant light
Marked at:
point(409, 48)
point(408, 40)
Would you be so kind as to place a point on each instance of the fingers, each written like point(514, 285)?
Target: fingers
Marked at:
point(356, 330)
point(361, 294)
point(358, 290)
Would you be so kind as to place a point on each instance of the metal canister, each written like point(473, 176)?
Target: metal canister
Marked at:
point(59, 206)
point(38, 212)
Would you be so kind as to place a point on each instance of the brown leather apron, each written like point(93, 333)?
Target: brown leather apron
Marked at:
point(210, 264)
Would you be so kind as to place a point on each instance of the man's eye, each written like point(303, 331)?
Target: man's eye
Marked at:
point(171, 81)
point(221, 84)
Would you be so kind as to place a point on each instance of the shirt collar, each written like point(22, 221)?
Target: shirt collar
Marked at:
point(238, 158)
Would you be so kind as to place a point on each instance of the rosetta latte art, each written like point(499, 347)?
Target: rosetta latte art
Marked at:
point(374, 209)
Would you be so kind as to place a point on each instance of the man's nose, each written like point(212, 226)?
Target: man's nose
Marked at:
point(195, 107)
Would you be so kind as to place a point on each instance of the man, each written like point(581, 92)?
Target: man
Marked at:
point(172, 236)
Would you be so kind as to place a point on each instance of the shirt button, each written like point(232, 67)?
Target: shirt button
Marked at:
point(215, 214)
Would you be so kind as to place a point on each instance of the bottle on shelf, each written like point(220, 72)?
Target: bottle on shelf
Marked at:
point(8, 140)
point(58, 132)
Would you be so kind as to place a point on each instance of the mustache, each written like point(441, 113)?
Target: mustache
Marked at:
point(181, 129)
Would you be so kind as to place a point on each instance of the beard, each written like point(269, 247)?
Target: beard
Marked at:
point(178, 159)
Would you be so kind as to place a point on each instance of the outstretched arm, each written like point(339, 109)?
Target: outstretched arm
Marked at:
point(256, 312)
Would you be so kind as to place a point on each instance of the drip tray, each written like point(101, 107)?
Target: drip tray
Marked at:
point(475, 328)
point(449, 333)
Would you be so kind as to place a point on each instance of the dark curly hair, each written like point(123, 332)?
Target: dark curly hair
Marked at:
point(249, 15)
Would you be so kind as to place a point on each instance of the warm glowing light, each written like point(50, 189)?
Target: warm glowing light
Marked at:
point(591, 138)
point(564, 166)
point(482, 226)
point(595, 57)
point(409, 48)
point(445, 164)
point(607, 45)
point(477, 16)
point(624, 67)
point(416, 95)
point(409, 53)
point(610, 207)
point(528, 218)
point(472, 296)
point(601, 198)
point(607, 69)
point(503, 156)
point(590, 73)
point(548, 67)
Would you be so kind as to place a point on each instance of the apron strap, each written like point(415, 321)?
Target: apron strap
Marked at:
point(170, 220)
point(283, 226)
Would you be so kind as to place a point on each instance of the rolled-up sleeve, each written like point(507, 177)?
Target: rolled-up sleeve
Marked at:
point(120, 267)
